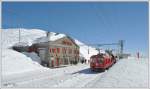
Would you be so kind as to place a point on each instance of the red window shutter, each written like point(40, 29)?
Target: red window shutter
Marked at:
point(50, 50)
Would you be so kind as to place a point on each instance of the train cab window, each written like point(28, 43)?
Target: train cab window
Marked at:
point(100, 60)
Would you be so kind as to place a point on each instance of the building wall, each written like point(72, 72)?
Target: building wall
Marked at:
point(60, 52)
point(64, 53)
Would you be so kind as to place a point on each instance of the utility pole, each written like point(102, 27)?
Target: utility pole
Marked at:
point(121, 44)
point(88, 50)
point(19, 35)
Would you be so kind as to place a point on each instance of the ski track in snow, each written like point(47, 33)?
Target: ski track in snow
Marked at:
point(77, 81)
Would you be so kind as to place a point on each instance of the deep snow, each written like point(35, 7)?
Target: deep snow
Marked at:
point(33, 56)
point(14, 62)
point(24, 70)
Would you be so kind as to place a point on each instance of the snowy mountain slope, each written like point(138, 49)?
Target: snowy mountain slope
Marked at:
point(11, 36)
point(84, 50)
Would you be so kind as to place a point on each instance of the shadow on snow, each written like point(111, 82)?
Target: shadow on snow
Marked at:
point(87, 71)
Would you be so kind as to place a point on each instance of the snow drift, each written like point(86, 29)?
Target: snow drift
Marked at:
point(33, 56)
point(14, 62)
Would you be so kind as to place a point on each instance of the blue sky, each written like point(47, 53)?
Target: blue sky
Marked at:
point(89, 22)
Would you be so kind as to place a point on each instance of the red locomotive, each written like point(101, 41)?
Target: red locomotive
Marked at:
point(102, 61)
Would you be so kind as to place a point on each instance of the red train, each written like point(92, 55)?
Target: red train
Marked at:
point(102, 61)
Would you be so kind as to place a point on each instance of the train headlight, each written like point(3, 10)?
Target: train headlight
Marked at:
point(97, 64)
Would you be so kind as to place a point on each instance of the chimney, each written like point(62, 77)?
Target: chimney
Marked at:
point(48, 35)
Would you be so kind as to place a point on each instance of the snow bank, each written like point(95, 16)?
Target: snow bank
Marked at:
point(126, 73)
point(33, 56)
point(84, 50)
point(14, 62)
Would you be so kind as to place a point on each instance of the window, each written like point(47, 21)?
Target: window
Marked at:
point(64, 50)
point(74, 51)
point(54, 50)
point(70, 51)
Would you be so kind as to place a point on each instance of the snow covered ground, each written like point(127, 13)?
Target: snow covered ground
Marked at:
point(71, 76)
point(24, 70)
point(129, 73)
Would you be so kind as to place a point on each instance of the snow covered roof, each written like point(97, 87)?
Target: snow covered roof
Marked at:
point(55, 36)
point(21, 44)
point(52, 37)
